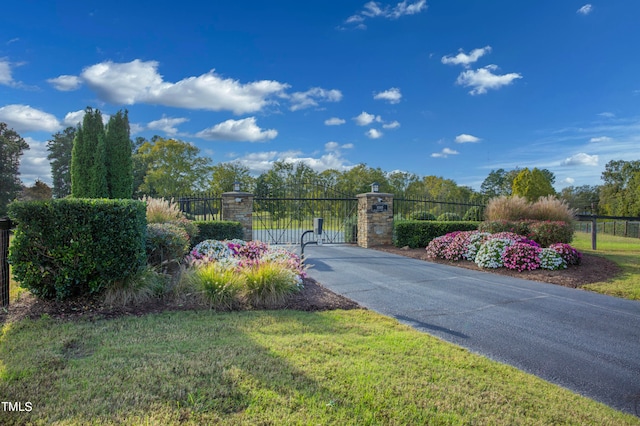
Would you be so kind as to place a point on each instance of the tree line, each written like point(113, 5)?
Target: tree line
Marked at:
point(94, 160)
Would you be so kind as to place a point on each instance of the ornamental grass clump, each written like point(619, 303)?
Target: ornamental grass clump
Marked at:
point(490, 253)
point(219, 286)
point(268, 284)
point(521, 257)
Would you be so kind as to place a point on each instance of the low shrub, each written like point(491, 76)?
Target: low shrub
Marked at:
point(490, 253)
point(475, 213)
point(422, 216)
point(165, 243)
point(449, 217)
point(520, 227)
point(217, 230)
point(551, 259)
point(145, 285)
point(547, 233)
point(569, 254)
point(269, 284)
point(418, 233)
point(70, 247)
point(521, 257)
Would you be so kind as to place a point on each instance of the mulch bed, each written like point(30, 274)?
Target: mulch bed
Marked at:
point(313, 297)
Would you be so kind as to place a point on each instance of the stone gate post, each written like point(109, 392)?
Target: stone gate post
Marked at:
point(375, 219)
point(238, 207)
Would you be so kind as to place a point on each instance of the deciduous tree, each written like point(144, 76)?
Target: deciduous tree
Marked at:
point(620, 191)
point(11, 148)
point(532, 184)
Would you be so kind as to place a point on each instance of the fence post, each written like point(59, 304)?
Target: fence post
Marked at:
point(238, 207)
point(594, 232)
point(375, 219)
point(5, 229)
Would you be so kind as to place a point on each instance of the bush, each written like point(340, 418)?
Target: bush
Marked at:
point(569, 254)
point(217, 230)
point(550, 208)
point(414, 233)
point(520, 227)
point(269, 284)
point(490, 253)
point(449, 217)
point(70, 247)
point(547, 233)
point(521, 257)
point(475, 213)
point(166, 243)
point(507, 208)
point(551, 259)
point(422, 216)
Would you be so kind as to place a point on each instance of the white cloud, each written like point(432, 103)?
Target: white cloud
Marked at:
point(72, 119)
point(34, 163)
point(244, 130)
point(66, 83)
point(464, 138)
point(600, 139)
point(607, 114)
point(569, 180)
point(259, 162)
point(336, 147)
point(5, 73)
point(310, 98)
point(374, 9)
point(167, 125)
point(585, 10)
point(23, 118)
point(392, 95)
point(581, 159)
point(139, 82)
point(374, 133)
point(465, 60)
point(445, 153)
point(483, 79)
point(334, 121)
point(364, 119)
point(392, 125)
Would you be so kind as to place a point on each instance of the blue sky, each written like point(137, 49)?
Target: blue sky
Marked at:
point(452, 88)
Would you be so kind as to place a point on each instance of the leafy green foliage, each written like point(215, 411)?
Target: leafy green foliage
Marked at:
point(118, 164)
point(475, 213)
point(449, 217)
point(520, 227)
point(421, 215)
point(217, 230)
point(69, 247)
point(533, 184)
point(11, 147)
point(220, 287)
point(88, 156)
point(620, 193)
point(268, 284)
point(419, 233)
point(166, 242)
point(547, 233)
point(60, 146)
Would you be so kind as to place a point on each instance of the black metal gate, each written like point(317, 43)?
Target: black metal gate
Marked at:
point(281, 215)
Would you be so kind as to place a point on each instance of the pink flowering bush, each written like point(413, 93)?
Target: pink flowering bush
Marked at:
point(438, 245)
point(521, 257)
point(458, 247)
point(570, 255)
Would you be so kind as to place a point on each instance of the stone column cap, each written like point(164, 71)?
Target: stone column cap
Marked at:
point(238, 194)
point(375, 194)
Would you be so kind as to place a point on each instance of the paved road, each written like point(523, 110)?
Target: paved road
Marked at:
point(586, 342)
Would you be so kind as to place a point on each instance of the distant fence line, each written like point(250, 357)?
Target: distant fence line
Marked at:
point(611, 225)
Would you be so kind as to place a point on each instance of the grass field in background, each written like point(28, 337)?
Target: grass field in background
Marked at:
point(623, 251)
point(268, 367)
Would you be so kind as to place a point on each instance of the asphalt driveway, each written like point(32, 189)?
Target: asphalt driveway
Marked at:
point(584, 341)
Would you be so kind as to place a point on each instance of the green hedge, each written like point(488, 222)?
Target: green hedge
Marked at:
point(544, 233)
point(71, 247)
point(418, 233)
point(218, 230)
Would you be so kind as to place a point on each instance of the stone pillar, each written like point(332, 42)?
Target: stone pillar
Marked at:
point(375, 219)
point(238, 207)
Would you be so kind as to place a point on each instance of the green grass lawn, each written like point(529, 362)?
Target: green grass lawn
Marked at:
point(625, 252)
point(268, 367)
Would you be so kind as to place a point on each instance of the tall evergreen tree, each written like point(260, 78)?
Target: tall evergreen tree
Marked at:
point(83, 157)
point(119, 165)
point(11, 147)
point(60, 147)
point(99, 187)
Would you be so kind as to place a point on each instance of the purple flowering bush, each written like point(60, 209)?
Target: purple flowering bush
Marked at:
point(569, 254)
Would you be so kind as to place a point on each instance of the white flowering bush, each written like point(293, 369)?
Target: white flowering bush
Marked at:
point(551, 259)
point(213, 249)
point(474, 243)
point(490, 253)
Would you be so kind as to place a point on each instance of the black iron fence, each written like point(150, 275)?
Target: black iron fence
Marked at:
point(425, 209)
point(200, 206)
point(613, 225)
point(5, 278)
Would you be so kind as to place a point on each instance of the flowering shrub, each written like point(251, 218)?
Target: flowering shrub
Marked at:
point(490, 253)
point(570, 255)
point(438, 245)
point(551, 259)
point(458, 247)
point(521, 257)
point(476, 240)
point(547, 233)
point(211, 249)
